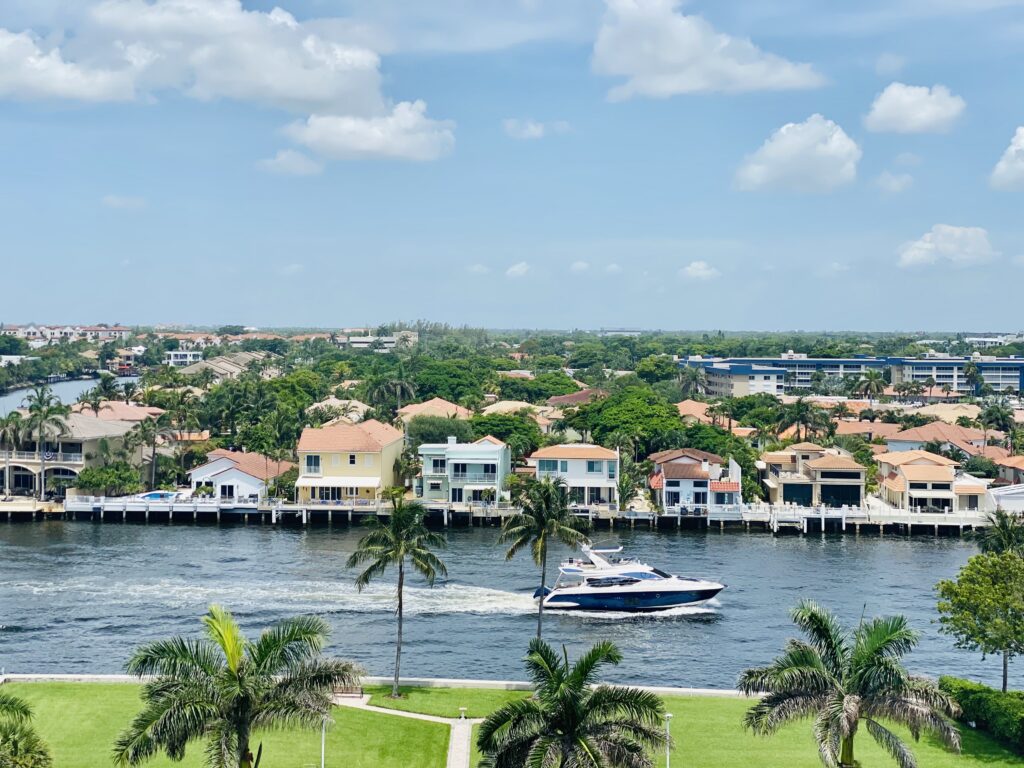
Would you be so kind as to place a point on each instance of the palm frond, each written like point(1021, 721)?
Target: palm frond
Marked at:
point(824, 633)
point(223, 630)
point(14, 709)
point(585, 669)
point(289, 642)
point(892, 744)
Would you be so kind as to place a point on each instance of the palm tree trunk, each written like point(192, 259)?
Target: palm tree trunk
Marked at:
point(1006, 668)
point(41, 450)
point(846, 753)
point(398, 644)
point(152, 468)
point(7, 473)
point(543, 581)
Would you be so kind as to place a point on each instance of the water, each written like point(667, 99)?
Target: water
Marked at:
point(68, 392)
point(77, 597)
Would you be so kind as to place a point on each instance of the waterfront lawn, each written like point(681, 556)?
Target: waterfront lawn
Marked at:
point(443, 702)
point(81, 720)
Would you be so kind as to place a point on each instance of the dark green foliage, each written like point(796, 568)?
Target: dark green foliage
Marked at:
point(633, 410)
point(450, 379)
point(437, 429)
point(981, 466)
point(518, 429)
point(117, 479)
point(539, 389)
point(999, 714)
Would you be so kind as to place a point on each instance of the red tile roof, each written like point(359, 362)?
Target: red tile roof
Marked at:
point(578, 398)
point(724, 486)
point(255, 464)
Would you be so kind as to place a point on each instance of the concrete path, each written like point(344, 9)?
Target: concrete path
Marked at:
point(460, 738)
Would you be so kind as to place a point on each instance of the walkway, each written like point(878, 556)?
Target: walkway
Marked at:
point(460, 747)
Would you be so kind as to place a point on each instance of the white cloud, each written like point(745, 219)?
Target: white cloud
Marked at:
point(894, 183)
point(579, 267)
point(813, 156)
point(662, 53)
point(290, 270)
point(613, 269)
point(902, 108)
point(888, 64)
point(960, 246)
point(479, 269)
point(519, 269)
point(532, 129)
point(699, 270)
point(1009, 171)
point(407, 133)
point(123, 202)
point(288, 162)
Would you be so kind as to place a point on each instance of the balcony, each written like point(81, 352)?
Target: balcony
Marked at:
point(474, 477)
point(51, 458)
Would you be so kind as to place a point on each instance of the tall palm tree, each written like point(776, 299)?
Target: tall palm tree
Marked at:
point(571, 720)
point(1004, 533)
point(805, 416)
point(929, 384)
point(12, 429)
point(402, 541)
point(108, 387)
point(129, 391)
point(223, 687)
point(996, 414)
point(843, 679)
point(972, 375)
point(693, 380)
point(870, 384)
point(146, 434)
point(93, 400)
point(544, 517)
point(47, 417)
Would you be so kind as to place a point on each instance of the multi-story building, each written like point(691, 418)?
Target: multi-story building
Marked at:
point(1000, 373)
point(347, 462)
point(919, 481)
point(464, 472)
point(808, 475)
point(180, 358)
point(590, 471)
point(800, 369)
point(741, 379)
point(685, 478)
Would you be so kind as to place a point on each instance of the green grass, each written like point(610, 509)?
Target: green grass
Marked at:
point(81, 720)
point(443, 702)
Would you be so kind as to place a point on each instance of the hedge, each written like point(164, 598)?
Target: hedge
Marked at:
point(999, 714)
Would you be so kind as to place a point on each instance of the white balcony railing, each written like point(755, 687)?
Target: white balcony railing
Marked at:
point(51, 458)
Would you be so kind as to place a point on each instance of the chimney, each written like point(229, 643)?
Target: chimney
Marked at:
point(704, 465)
point(452, 440)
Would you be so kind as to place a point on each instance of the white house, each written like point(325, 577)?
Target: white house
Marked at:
point(590, 471)
point(180, 358)
point(464, 472)
point(688, 478)
point(237, 474)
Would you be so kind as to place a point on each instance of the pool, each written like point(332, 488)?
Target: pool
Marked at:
point(158, 495)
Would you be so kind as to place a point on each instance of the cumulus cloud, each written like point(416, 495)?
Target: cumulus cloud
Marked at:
point(1009, 171)
point(217, 49)
point(699, 270)
point(519, 269)
point(959, 246)
point(288, 162)
point(894, 183)
point(532, 129)
point(662, 52)
point(813, 156)
point(406, 133)
point(902, 108)
point(579, 267)
point(123, 202)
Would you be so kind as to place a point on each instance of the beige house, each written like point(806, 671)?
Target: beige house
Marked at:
point(919, 481)
point(347, 462)
point(809, 475)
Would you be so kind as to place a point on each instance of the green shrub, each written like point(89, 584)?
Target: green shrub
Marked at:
point(999, 714)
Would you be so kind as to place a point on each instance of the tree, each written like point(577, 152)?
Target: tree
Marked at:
point(871, 384)
point(1004, 533)
point(635, 410)
point(224, 687)
point(47, 417)
point(107, 387)
point(805, 416)
point(400, 541)
point(972, 375)
point(115, 479)
point(693, 380)
point(93, 400)
point(571, 720)
point(20, 745)
point(929, 384)
point(437, 429)
point(983, 609)
point(543, 517)
point(843, 679)
point(508, 427)
point(146, 433)
point(12, 429)
point(656, 368)
point(996, 414)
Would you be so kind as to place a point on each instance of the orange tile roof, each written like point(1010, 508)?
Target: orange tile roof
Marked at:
point(578, 398)
point(694, 409)
point(806, 447)
point(436, 406)
point(926, 474)
point(831, 461)
point(876, 429)
point(365, 437)
point(943, 432)
point(895, 483)
point(255, 464)
point(1014, 462)
point(778, 458)
point(724, 485)
point(969, 489)
point(118, 410)
point(684, 472)
point(679, 453)
point(574, 451)
point(899, 458)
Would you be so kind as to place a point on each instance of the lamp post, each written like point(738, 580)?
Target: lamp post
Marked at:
point(323, 741)
point(668, 740)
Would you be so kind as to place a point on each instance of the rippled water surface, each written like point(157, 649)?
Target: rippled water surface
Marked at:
point(77, 597)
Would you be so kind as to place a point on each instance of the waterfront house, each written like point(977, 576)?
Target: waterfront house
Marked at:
point(237, 474)
point(809, 475)
point(867, 430)
point(464, 472)
point(590, 471)
point(347, 462)
point(436, 406)
point(119, 410)
point(967, 439)
point(544, 415)
point(1011, 469)
point(182, 358)
point(687, 478)
point(920, 481)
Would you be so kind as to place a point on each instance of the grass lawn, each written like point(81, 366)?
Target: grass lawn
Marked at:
point(443, 702)
point(81, 720)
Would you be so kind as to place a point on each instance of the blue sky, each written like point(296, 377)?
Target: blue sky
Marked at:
point(526, 163)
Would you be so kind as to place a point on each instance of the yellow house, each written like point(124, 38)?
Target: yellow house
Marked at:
point(347, 462)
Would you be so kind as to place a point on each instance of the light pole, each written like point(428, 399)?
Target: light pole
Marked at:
point(323, 740)
point(668, 740)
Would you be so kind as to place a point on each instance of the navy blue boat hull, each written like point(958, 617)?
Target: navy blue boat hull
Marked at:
point(630, 602)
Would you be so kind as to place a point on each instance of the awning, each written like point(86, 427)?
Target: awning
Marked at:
point(338, 482)
point(479, 487)
point(923, 494)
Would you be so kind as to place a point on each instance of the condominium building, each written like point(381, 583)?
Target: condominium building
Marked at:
point(464, 472)
point(741, 379)
point(799, 369)
point(1000, 373)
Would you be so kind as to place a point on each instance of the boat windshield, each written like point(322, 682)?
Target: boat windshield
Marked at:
point(611, 581)
point(648, 575)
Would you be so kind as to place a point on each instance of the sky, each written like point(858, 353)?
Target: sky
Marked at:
point(737, 165)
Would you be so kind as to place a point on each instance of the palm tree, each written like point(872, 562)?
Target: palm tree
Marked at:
point(842, 679)
point(571, 720)
point(693, 380)
point(108, 387)
point(805, 416)
point(1004, 533)
point(129, 391)
point(929, 384)
point(871, 384)
point(402, 540)
point(146, 434)
point(12, 428)
point(46, 418)
point(972, 375)
point(93, 400)
point(223, 687)
point(996, 414)
point(543, 517)
point(946, 389)
point(20, 745)
point(841, 411)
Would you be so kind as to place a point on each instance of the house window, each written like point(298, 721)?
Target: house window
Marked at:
point(351, 459)
point(439, 466)
point(435, 486)
point(563, 467)
point(919, 486)
point(611, 470)
point(595, 467)
point(700, 483)
point(490, 469)
point(547, 465)
point(940, 486)
point(672, 483)
point(313, 465)
point(834, 475)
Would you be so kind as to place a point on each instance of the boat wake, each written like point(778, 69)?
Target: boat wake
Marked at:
point(709, 608)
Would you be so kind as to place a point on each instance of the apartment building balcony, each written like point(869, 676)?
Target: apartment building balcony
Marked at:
point(475, 477)
point(51, 458)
